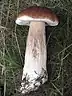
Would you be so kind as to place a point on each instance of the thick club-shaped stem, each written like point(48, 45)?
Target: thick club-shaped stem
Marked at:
point(35, 58)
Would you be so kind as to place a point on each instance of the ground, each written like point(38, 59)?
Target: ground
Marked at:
point(13, 43)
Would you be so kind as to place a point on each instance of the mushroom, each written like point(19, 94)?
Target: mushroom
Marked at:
point(34, 71)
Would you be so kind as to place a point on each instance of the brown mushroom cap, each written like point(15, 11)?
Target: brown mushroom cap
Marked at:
point(37, 13)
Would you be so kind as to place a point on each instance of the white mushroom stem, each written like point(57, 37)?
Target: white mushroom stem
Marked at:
point(35, 58)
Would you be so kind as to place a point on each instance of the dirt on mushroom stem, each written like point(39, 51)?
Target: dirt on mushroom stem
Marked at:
point(35, 58)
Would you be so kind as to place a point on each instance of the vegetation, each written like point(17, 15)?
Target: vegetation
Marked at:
point(13, 44)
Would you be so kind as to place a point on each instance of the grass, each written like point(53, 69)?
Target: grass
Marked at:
point(13, 44)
